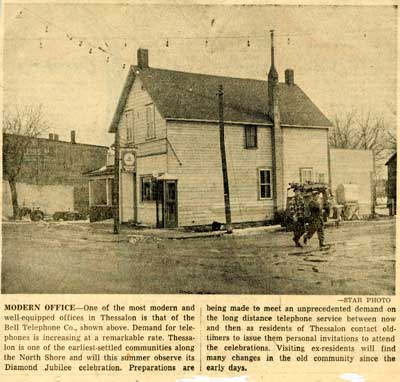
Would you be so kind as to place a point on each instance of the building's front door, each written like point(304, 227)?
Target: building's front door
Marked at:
point(167, 204)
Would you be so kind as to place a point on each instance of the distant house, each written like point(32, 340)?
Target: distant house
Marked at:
point(274, 134)
point(391, 184)
point(52, 174)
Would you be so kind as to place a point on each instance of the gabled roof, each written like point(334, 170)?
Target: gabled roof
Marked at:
point(393, 156)
point(191, 96)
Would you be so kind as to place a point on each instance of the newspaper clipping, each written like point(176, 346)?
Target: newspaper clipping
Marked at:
point(199, 192)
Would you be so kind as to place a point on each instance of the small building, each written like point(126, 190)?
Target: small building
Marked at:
point(52, 177)
point(274, 135)
point(355, 169)
point(101, 186)
point(391, 184)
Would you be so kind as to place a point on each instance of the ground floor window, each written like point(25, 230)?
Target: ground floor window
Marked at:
point(306, 175)
point(149, 188)
point(265, 183)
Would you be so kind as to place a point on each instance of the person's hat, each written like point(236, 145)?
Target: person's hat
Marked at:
point(315, 192)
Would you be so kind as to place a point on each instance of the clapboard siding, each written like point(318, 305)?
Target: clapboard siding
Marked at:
point(151, 154)
point(190, 150)
point(157, 147)
point(126, 195)
point(200, 182)
point(146, 211)
point(137, 100)
point(150, 165)
point(304, 148)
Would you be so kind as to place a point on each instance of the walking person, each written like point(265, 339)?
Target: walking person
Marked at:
point(315, 220)
point(296, 209)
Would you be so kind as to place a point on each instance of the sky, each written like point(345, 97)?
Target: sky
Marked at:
point(73, 58)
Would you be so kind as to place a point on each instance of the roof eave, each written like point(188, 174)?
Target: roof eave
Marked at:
point(391, 158)
point(243, 123)
point(307, 126)
point(201, 120)
point(122, 100)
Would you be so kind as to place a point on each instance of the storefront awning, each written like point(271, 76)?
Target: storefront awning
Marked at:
point(167, 176)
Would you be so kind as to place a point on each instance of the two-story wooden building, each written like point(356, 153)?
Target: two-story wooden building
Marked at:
point(274, 134)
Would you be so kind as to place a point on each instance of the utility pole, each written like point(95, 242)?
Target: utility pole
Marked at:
point(223, 159)
point(116, 182)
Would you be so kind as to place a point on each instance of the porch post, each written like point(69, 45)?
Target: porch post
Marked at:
point(90, 192)
point(107, 192)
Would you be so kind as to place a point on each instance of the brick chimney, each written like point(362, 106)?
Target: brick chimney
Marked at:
point(51, 136)
point(289, 77)
point(73, 136)
point(55, 137)
point(276, 133)
point(142, 58)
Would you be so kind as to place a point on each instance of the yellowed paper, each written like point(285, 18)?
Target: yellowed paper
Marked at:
point(185, 301)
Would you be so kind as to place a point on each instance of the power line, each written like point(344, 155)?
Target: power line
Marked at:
point(205, 37)
point(71, 37)
point(96, 21)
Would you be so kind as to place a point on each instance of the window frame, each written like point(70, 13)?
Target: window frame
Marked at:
point(153, 185)
point(301, 169)
point(248, 128)
point(259, 170)
point(150, 107)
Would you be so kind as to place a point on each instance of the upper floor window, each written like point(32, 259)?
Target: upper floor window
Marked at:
point(151, 128)
point(265, 183)
point(129, 124)
point(250, 137)
point(306, 175)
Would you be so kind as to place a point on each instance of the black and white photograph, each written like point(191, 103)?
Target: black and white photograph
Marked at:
point(199, 149)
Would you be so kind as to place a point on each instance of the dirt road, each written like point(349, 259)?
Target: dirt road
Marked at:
point(85, 258)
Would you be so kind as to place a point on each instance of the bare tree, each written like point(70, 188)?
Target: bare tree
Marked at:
point(359, 130)
point(20, 128)
point(391, 133)
point(371, 134)
point(342, 133)
point(392, 139)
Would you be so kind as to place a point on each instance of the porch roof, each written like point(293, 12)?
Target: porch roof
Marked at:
point(102, 171)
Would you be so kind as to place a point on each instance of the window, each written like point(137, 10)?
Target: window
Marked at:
point(129, 122)
point(265, 184)
point(250, 137)
point(151, 129)
point(149, 191)
point(306, 175)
